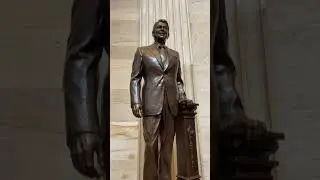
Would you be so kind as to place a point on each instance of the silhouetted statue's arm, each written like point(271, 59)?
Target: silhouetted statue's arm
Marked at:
point(80, 82)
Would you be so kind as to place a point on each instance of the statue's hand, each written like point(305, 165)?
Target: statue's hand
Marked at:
point(83, 150)
point(252, 128)
point(255, 128)
point(184, 100)
point(137, 110)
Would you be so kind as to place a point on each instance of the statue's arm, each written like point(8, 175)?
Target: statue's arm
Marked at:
point(80, 83)
point(136, 76)
point(181, 91)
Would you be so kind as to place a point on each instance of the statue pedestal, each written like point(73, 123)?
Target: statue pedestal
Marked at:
point(240, 159)
point(186, 140)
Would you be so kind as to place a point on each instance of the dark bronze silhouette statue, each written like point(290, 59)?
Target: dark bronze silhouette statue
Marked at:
point(86, 135)
point(159, 67)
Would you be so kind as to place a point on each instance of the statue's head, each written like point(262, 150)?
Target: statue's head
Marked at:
point(160, 30)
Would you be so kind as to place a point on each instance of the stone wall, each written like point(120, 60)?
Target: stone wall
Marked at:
point(124, 130)
point(32, 50)
point(199, 12)
point(293, 41)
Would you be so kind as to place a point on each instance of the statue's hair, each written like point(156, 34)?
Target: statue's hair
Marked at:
point(160, 21)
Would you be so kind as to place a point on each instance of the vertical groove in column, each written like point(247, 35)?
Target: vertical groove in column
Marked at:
point(180, 43)
point(242, 63)
point(169, 18)
point(242, 79)
point(262, 16)
point(185, 51)
point(175, 24)
point(187, 3)
point(150, 16)
point(252, 60)
point(164, 8)
point(263, 21)
point(144, 18)
point(157, 10)
point(171, 22)
point(142, 7)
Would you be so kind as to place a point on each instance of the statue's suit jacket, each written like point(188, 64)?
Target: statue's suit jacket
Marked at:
point(159, 78)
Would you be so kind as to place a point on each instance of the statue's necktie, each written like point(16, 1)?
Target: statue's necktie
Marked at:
point(163, 54)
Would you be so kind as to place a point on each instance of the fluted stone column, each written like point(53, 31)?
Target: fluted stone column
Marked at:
point(247, 43)
point(177, 15)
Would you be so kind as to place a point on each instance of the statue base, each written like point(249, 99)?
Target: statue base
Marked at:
point(186, 140)
point(240, 159)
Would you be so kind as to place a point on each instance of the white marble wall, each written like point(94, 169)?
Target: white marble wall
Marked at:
point(124, 131)
point(123, 150)
point(199, 12)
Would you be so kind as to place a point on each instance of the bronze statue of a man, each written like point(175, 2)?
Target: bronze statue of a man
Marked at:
point(162, 91)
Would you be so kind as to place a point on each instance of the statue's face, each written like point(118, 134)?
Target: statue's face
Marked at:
point(161, 31)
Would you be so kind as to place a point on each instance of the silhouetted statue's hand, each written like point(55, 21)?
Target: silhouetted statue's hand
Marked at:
point(137, 110)
point(251, 128)
point(254, 128)
point(83, 150)
point(184, 100)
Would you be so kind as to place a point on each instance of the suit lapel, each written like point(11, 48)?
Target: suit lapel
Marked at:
point(153, 50)
point(168, 58)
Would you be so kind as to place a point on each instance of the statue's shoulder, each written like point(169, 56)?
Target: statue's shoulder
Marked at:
point(174, 52)
point(142, 49)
